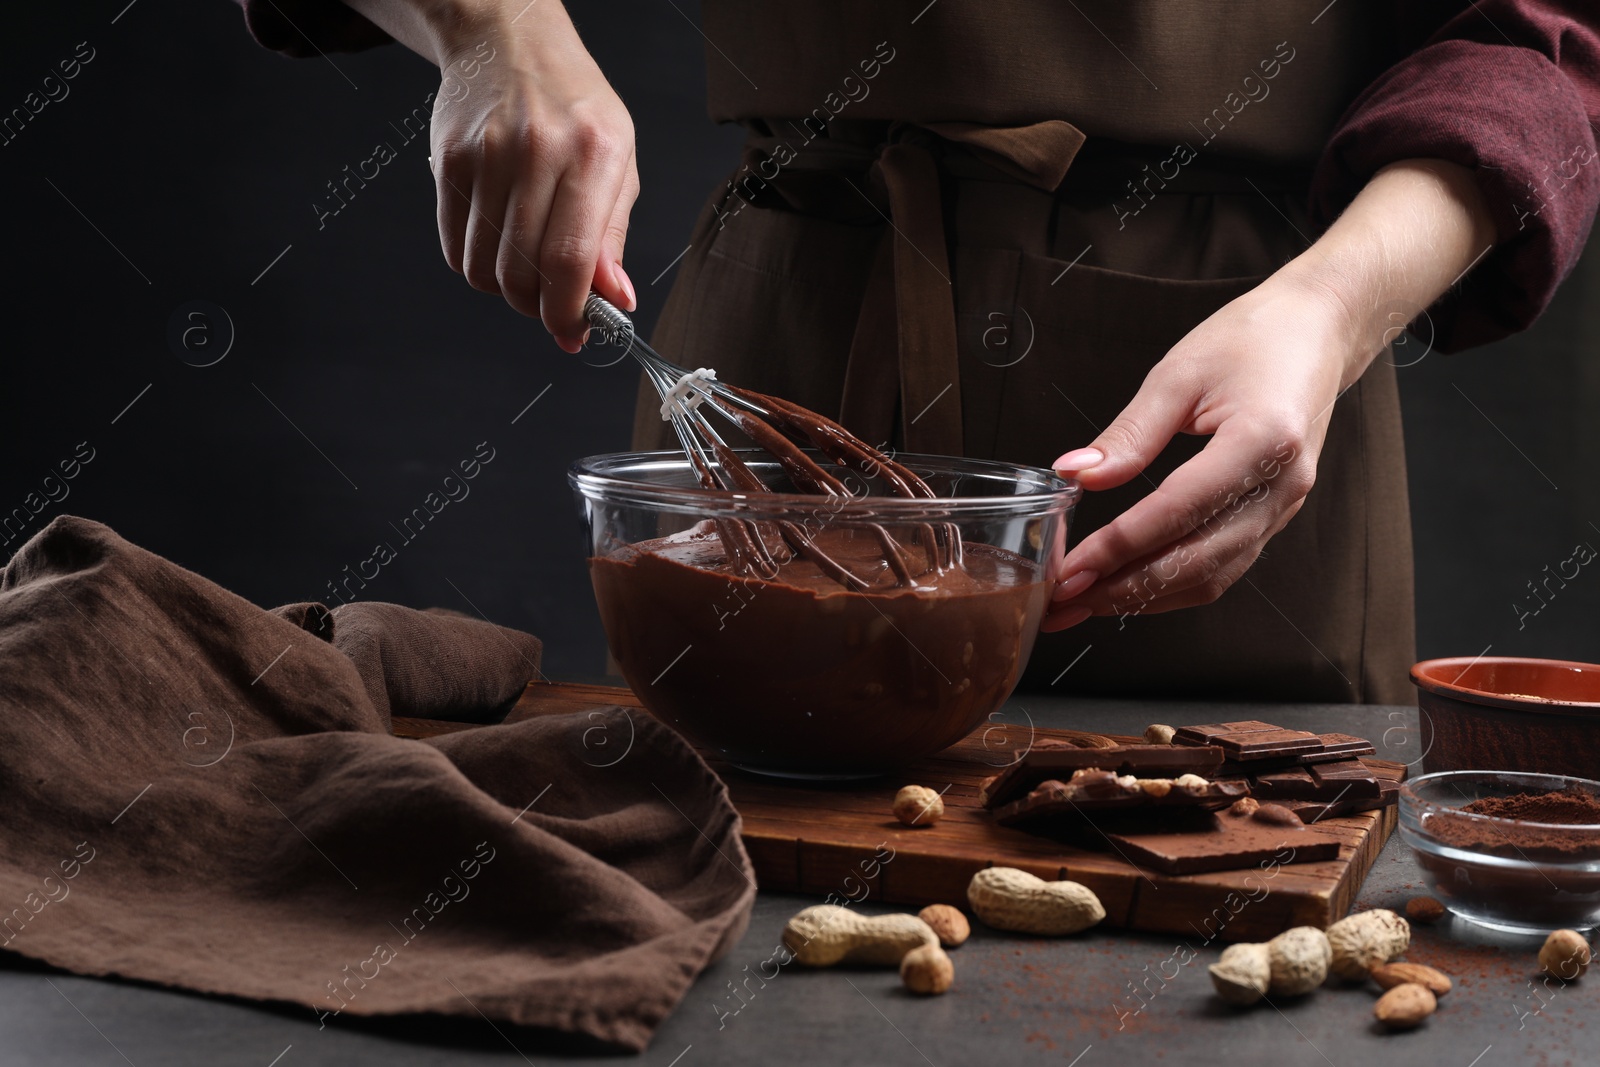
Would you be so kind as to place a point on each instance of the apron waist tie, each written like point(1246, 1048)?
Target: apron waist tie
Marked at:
point(904, 346)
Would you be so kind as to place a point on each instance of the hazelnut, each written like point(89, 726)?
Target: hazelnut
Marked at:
point(927, 970)
point(1093, 782)
point(917, 805)
point(1244, 806)
point(1565, 955)
point(1158, 734)
point(951, 926)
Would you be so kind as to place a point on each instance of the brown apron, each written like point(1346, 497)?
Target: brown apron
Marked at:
point(1000, 289)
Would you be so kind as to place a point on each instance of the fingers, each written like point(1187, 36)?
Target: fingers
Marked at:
point(535, 179)
point(517, 261)
point(1191, 567)
point(610, 280)
point(1195, 570)
point(1135, 437)
point(490, 188)
point(580, 216)
point(452, 179)
point(1193, 596)
point(1240, 458)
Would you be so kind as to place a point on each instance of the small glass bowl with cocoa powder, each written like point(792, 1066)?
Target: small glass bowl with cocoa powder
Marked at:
point(1513, 851)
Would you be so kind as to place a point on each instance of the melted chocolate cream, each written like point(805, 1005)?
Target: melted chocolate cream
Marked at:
point(796, 671)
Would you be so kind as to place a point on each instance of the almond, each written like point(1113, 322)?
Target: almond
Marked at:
point(1424, 910)
point(1276, 815)
point(1389, 975)
point(951, 926)
point(1405, 1006)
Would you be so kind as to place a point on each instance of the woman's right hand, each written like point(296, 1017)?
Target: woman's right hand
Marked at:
point(532, 154)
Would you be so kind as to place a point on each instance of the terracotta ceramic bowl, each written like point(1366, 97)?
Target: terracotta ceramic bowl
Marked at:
point(1510, 713)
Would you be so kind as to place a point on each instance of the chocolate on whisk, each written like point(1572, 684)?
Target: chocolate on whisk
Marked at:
point(778, 427)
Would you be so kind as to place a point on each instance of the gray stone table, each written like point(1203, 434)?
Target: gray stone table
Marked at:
point(1104, 997)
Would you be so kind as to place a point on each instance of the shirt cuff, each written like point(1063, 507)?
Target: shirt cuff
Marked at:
point(1515, 118)
point(304, 28)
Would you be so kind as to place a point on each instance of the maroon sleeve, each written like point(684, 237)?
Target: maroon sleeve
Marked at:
point(1510, 88)
point(302, 28)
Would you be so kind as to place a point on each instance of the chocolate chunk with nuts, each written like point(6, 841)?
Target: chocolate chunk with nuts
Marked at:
point(1144, 761)
point(1092, 793)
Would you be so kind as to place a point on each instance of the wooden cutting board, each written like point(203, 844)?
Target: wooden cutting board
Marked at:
point(841, 842)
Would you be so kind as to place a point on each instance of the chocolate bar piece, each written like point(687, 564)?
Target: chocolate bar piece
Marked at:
point(1207, 734)
point(1294, 783)
point(1349, 778)
point(1311, 811)
point(1333, 747)
point(1386, 770)
point(1091, 794)
point(1345, 745)
point(1144, 761)
point(1231, 842)
point(1267, 744)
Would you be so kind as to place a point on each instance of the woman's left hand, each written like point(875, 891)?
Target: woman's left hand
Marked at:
point(1261, 376)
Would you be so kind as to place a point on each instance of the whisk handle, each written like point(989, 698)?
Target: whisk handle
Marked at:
point(603, 315)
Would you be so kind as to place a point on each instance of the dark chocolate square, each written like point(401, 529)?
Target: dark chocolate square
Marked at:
point(1347, 745)
point(1204, 734)
point(1347, 778)
point(1295, 783)
point(1266, 744)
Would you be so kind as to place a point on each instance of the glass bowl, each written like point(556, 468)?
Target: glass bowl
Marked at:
point(1507, 874)
point(798, 676)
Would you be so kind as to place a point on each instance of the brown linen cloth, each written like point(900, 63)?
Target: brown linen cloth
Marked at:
point(204, 794)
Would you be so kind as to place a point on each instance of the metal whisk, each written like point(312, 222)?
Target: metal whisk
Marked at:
point(760, 546)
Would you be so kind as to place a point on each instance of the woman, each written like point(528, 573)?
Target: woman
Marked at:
point(1104, 232)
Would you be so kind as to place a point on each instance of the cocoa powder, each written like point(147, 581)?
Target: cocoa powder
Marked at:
point(1569, 807)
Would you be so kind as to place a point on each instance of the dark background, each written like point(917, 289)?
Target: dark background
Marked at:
point(362, 370)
